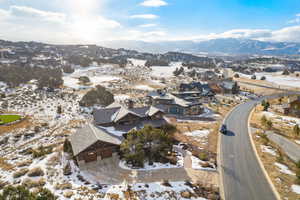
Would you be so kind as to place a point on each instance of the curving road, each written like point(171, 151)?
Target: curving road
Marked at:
point(242, 176)
point(243, 179)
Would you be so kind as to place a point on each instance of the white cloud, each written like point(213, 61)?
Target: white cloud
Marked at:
point(154, 3)
point(288, 34)
point(296, 20)
point(147, 25)
point(26, 23)
point(28, 12)
point(144, 16)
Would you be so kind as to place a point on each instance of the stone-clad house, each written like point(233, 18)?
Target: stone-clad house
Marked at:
point(101, 139)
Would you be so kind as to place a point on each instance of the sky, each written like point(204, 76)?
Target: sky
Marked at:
point(94, 21)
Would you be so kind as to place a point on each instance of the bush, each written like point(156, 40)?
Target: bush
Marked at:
point(67, 147)
point(22, 193)
point(20, 173)
point(296, 130)
point(36, 172)
point(67, 169)
point(148, 144)
point(41, 151)
point(253, 77)
point(263, 78)
point(99, 95)
point(29, 183)
point(166, 183)
point(203, 156)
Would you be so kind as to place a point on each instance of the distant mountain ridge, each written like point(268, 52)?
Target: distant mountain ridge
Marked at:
point(215, 46)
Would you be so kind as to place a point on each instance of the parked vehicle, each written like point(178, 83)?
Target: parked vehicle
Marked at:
point(223, 129)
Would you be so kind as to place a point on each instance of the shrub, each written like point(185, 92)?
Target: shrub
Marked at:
point(67, 169)
point(279, 158)
point(298, 164)
point(166, 183)
point(296, 130)
point(29, 183)
point(22, 193)
point(20, 173)
point(203, 156)
point(41, 151)
point(36, 172)
point(253, 77)
point(45, 194)
point(298, 176)
point(67, 147)
point(263, 78)
point(99, 95)
point(16, 193)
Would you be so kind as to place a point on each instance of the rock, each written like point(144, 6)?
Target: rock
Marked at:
point(186, 194)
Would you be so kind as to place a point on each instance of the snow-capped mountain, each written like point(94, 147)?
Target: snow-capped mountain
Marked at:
point(215, 46)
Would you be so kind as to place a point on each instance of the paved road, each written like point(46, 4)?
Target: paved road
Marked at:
point(289, 147)
point(243, 179)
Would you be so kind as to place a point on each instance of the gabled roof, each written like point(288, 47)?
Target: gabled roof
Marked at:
point(153, 110)
point(113, 114)
point(88, 135)
point(122, 112)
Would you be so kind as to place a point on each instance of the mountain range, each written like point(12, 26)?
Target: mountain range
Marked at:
point(225, 46)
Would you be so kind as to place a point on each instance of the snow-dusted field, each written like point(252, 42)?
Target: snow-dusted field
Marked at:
point(95, 74)
point(277, 79)
point(165, 71)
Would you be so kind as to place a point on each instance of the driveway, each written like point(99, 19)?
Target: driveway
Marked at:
point(108, 171)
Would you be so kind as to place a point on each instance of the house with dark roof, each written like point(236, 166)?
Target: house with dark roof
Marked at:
point(101, 139)
point(171, 104)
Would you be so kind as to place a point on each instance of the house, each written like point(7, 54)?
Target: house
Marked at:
point(172, 104)
point(293, 107)
point(92, 143)
point(225, 87)
point(195, 92)
point(101, 139)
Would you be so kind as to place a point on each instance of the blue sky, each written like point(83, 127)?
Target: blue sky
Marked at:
point(92, 21)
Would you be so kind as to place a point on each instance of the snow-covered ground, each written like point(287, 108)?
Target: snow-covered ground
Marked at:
point(121, 97)
point(268, 149)
point(296, 189)
point(198, 133)
point(95, 78)
point(137, 62)
point(277, 78)
point(284, 169)
point(280, 118)
point(198, 164)
point(143, 87)
point(165, 71)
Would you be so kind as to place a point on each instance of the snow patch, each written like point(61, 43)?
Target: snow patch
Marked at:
point(268, 149)
point(284, 169)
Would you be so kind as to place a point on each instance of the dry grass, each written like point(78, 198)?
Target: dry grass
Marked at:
point(5, 165)
point(281, 181)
